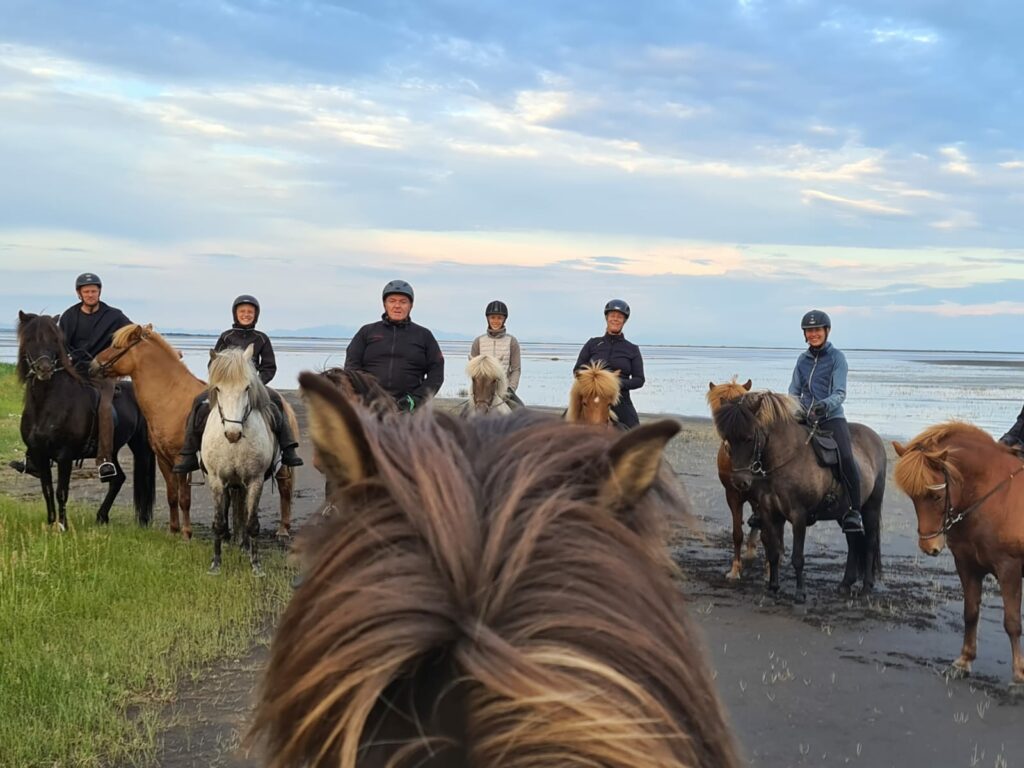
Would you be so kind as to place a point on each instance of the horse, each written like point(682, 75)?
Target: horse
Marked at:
point(238, 449)
point(501, 594)
point(775, 464)
point(489, 387)
point(58, 423)
point(595, 389)
point(165, 389)
point(363, 389)
point(718, 394)
point(966, 495)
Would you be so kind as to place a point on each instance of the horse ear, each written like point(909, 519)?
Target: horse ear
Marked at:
point(337, 432)
point(635, 459)
point(213, 354)
point(748, 385)
point(248, 352)
point(900, 449)
point(22, 317)
point(754, 401)
point(711, 385)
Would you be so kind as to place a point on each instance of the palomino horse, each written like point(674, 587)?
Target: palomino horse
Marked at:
point(966, 493)
point(240, 407)
point(501, 596)
point(58, 423)
point(489, 384)
point(594, 391)
point(775, 464)
point(718, 394)
point(165, 389)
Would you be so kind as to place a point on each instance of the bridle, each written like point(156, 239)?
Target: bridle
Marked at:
point(757, 466)
point(106, 364)
point(245, 414)
point(34, 362)
point(949, 516)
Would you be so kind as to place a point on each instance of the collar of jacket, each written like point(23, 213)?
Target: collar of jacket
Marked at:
point(400, 324)
point(498, 334)
point(239, 327)
point(614, 336)
point(822, 350)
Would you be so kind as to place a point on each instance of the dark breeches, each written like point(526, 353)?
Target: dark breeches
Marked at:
point(627, 414)
point(847, 466)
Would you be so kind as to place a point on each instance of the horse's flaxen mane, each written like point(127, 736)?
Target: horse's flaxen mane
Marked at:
point(729, 390)
point(488, 368)
point(592, 381)
point(230, 369)
point(738, 419)
point(481, 604)
point(933, 451)
point(37, 333)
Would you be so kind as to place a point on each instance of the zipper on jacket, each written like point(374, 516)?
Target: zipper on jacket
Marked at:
point(391, 357)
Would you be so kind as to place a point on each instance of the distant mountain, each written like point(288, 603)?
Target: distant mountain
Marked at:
point(347, 331)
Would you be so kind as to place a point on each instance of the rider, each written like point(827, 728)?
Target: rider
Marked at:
point(500, 344)
point(246, 311)
point(619, 355)
point(819, 380)
point(1014, 436)
point(88, 329)
point(403, 356)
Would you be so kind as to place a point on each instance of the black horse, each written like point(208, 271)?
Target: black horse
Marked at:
point(58, 422)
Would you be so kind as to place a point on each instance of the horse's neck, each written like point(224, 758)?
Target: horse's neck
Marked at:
point(162, 384)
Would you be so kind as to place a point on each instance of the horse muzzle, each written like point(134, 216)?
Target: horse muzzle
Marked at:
point(232, 435)
point(932, 546)
point(741, 481)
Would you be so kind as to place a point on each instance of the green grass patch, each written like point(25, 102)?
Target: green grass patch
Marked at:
point(98, 625)
point(10, 414)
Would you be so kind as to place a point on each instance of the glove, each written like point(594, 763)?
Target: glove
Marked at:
point(817, 412)
point(406, 403)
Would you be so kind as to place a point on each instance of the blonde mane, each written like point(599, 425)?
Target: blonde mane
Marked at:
point(487, 368)
point(927, 460)
point(592, 381)
point(123, 338)
point(229, 369)
point(729, 390)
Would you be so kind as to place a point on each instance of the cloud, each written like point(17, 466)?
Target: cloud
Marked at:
point(861, 206)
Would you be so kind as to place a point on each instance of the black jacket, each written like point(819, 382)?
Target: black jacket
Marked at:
point(262, 350)
point(106, 319)
point(404, 357)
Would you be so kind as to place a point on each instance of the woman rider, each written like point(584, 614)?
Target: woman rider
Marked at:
point(819, 380)
point(501, 345)
point(619, 355)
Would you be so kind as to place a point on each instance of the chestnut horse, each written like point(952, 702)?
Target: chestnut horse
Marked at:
point(718, 394)
point(594, 391)
point(165, 389)
point(502, 595)
point(489, 387)
point(967, 494)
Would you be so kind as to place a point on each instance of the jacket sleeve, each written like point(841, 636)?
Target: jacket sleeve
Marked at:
point(355, 351)
point(514, 365)
point(435, 371)
point(837, 394)
point(584, 357)
point(794, 382)
point(268, 362)
point(474, 348)
point(222, 342)
point(636, 378)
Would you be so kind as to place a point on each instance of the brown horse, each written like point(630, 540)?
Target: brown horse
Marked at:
point(718, 394)
point(165, 389)
point(501, 596)
point(489, 385)
point(594, 391)
point(966, 494)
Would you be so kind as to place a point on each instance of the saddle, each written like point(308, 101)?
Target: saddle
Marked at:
point(826, 451)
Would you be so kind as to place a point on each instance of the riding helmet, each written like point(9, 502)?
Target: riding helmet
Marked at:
point(496, 308)
point(400, 287)
point(88, 278)
point(617, 305)
point(816, 319)
point(245, 298)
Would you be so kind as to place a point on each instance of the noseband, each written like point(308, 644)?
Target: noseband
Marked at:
point(951, 517)
point(33, 364)
point(245, 414)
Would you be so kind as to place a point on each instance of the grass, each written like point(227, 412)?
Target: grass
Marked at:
point(99, 624)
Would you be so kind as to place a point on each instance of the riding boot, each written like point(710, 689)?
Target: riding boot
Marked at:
point(105, 431)
point(25, 467)
point(193, 438)
point(288, 444)
point(852, 522)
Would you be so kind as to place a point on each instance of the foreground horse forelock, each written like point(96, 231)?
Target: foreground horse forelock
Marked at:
point(968, 493)
point(595, 390)
point(494, 592)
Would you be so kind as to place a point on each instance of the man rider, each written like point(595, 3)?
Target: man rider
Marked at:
point(403, 356)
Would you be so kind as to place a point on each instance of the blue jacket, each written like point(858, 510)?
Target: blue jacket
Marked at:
point(820, 377)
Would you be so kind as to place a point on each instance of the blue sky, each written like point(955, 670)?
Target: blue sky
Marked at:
point(721, 166)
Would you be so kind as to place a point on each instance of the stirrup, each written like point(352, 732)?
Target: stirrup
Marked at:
point(107, 472)
point(852, 522)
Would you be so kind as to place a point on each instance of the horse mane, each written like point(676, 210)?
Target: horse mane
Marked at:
point(729, 390)
point(737, 419)
point(362, 388)
point(230, 369)
point(929, 454)
point(593, 380)
point(42, 329)
point(478, 571)
point(489, 369)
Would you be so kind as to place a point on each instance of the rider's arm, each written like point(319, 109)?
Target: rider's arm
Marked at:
point(268, 362)
point(837, 392)
point(354, 352)
point(795, 385)
point(584, 358)
point(474, 349)
point(514, 366)
point(636, 378)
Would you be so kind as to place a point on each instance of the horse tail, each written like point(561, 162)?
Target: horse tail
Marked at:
point(143, 473)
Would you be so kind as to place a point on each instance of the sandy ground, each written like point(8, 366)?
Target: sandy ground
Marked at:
point(838, 682)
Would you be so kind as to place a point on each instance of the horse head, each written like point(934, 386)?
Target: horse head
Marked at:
point(41, 349)
point(595, 390)
point(236, 391)
point(489, 384)
point(121, 357)
point(730, 390)
point(745, 425)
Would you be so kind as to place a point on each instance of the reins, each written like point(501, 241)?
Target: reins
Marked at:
point(119, 354)
point(949, 519)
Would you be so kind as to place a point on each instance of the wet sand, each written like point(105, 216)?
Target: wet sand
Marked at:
point(837, 682)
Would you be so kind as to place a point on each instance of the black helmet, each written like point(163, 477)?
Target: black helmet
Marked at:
point(88, 278)
point(816, 319)
point(245, 298)
point(617, 305)
point(398, 286)
point(496, 308)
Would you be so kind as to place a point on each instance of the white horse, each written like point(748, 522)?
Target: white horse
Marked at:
point(238, 448)
point(489, 387)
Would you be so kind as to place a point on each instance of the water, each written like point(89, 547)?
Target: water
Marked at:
point(896, 392)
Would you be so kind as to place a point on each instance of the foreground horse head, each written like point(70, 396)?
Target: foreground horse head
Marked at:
point(968, 493)
point(362, 389)
point(495, 592)
point(594, 391)
point(489, 385)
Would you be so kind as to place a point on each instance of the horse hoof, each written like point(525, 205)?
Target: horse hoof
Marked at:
point(214, 570)
point(844, 590)
point(59, 527)
point(1015, 690)
point(800, 597)
point(257, 571)
point(773, 588)
point(956, 672)
point(733, 574)
point(284, 533)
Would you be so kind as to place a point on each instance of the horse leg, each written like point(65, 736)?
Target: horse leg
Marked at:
point(854, 558)
point(46, 484)
point(970, 579)
point(1009, 575)
point(113, 488)
point(185, 505)
point(771, 538)
point(171, 485)
point(750, 553)
point(285, 486)
point(799, 532)
point(221, 503)
point(252, 530)
point(63, 484)
point(735, 502)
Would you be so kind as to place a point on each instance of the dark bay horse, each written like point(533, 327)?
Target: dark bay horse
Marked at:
point(58, 423)
point(501, 596)
point(968, 493)
point(774, 462)
point(718, 394)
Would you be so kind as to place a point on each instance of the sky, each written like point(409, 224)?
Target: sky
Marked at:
point(722, 166)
